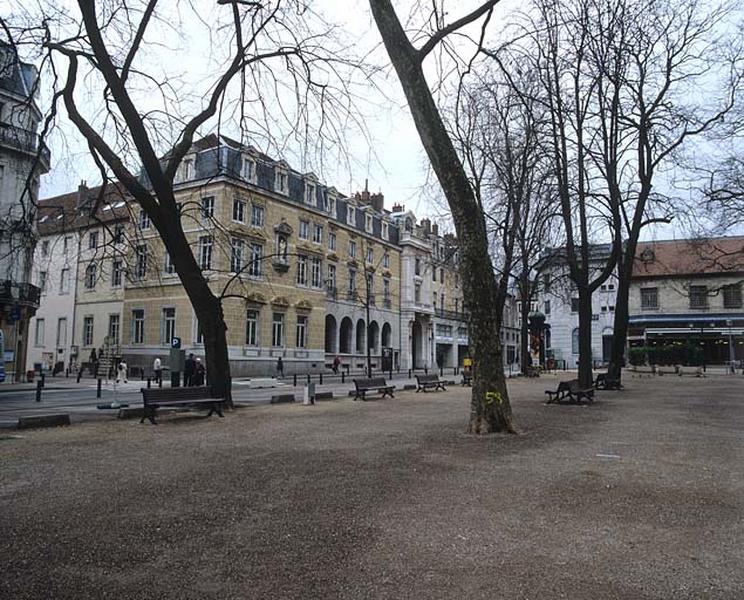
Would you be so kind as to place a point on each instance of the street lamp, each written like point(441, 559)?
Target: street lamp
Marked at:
point(732, 357)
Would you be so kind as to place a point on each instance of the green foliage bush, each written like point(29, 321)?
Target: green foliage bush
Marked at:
point(688, 353)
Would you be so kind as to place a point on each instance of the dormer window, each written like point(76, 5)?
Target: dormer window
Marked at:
point(368, 223)
point(144, 220)
point(185, 170)
point(350, 215)
point(330, 202)
point(310, 193)
point(385, 231)
point(281, 181)
point(248, 169)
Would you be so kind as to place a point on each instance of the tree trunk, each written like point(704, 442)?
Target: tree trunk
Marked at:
point(620, 327)
point(206, 305)
point(586, 379)
point(524, 341)
point(490, 408)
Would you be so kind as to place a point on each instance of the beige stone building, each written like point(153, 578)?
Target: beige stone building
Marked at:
point(289, 255)
point(690, 291)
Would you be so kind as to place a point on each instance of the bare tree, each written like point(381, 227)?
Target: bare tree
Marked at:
point(500, 136)
point(275, 68)
point(490, 407)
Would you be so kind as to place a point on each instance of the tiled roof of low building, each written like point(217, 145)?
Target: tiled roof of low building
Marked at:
point(696, 257)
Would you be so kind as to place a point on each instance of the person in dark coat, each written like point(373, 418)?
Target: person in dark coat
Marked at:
point(188, 371)
point(280, 367)
point(199, 373)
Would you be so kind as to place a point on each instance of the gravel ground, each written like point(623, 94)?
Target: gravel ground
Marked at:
point(638, 496)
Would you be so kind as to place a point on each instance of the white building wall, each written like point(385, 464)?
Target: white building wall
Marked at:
point(56, 303)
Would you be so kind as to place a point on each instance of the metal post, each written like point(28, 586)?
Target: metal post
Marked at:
point(80, 374)
point(308, 377)
point(148, 383)
point(426, 369)
point(294, 380)
point(98, 388)
point(409, 373)
point(160, 381)
point(343, 377)
point(320, 379)
point(42, 379)
point(38, 390)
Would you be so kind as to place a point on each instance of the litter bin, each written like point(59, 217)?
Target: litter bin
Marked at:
point(308, 396)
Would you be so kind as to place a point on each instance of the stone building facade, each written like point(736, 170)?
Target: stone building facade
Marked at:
point(23, 159)
point(306, 273)
point(690, 291)
point(80, 267)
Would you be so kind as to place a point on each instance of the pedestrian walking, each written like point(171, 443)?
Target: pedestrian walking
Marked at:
point(158, 369)
point(280, 367)
point(188, 371)
point(336, 364)
point(121, 374)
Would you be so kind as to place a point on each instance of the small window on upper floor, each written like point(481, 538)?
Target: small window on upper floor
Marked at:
point(248, 169)
point(330, 202)
point(281, 180)
point(185, 170)
point(310, 193)
point(385, 231)
point(368, 223)
point(350, 215)
point(144, 220)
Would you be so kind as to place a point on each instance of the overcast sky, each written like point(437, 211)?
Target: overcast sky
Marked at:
point(391, 157)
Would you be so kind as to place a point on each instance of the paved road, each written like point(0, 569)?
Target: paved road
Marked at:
point(80, 401)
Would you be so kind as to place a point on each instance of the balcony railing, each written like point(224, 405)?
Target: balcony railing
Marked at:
point(452, 314)
point(25, 141)
point(12, 292)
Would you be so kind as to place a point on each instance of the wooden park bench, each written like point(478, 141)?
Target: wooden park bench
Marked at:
point(374, 385)
point(694, 371)
point(605, 382)
point(569, 390)
point(154, 398)
point(426, 382)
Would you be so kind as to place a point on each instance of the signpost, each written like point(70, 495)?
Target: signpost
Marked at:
point(177, 361)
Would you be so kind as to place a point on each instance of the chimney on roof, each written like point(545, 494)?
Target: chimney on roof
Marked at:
point(82, 197)
point(398, 208)
point(426, 226)
point(377, 201)
point(435, 229)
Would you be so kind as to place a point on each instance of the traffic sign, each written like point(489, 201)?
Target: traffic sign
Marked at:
point(176, 342)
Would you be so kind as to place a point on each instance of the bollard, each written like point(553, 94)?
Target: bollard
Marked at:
point(294, 380)
point(41, 378)
point(38, 390)
point(343, 377)
point(441, 371)
point(160, 382)
point(80, 374)
point(391, 373)
point(98, 388)
point(308, 377)
point(409, 373)
point(320, 379)
point(148, 383)
point(426, 369)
